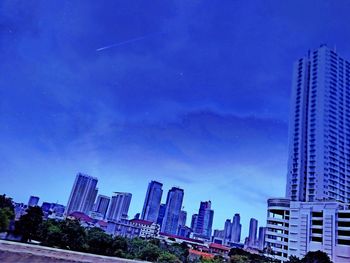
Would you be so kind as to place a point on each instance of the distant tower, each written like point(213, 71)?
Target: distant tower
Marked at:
point(203, 227)
point(261, 239)
point(152, 201)
point(172, 211)
point(119, 206)
point(83, 194)
point(253, 228)
point(161, 214)
point(194, 221)
point(102, 204)
point(182, 218)
point(236, 229)
point(33, 200)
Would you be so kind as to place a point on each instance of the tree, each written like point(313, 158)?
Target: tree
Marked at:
point(166, 257)
point(28, 224)
point(5, 217)
point(50, 233)
point(293, 259)
point(316, 257)
point(119, 247)
point(98, 241)
point(6, 212)
point(73, 235)
point(6, 202)
point(179, 250)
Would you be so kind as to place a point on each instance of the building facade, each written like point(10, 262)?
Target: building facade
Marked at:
point(253, 228)
point(153, 198)
point(101, 205)
point(315, 215)
point(149, 229)
point(119, 206)
point(321, 226)
point(277, 228)
point(172, 212)
point(33, 200)
point(319, 129)
point(83, 194)
point(236, 229)
point(204, 221)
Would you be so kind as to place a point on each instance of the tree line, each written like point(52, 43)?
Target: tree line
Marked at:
point(69, 234)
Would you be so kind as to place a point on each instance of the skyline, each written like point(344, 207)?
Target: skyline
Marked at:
point(202, 106)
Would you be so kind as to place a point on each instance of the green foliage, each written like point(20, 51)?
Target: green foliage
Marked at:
point(28, 224)
point(73, 235)
point(293, 259)
point(6, 214)
point(166, 257)
point(239, 256)
point(98, 241)
point(179, 250)
point(316, 257)
point(138, 248)
point(6, 202)
point(50, 233)
point(119, 247)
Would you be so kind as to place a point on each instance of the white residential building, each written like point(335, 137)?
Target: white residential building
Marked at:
point(321, 226)
point(319, 130)
point(148, 229)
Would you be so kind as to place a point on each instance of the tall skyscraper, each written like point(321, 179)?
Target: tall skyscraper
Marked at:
point(33, 200)
point(102, 204)
point(319, 134)
point(318, 179)
point(236, 229)
point(119, 206)
point(161, 214)
point(203, 227)
point(172, 211)
point(261, 238)
point(194, 221)
point(253, 228)
point(83, 194)
point(182, 218)
point(227, 230)
point(152, 201)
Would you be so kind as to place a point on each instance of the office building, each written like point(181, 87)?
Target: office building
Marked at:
point(182, 218)
point(194, 221)
point(153, 198)
point(33, 201)
point(204, 221)
point(319, 130)
point(83, 194)
point(101, 205)
point(119, 206)
point(253, 228)
point(236, 229)
point(161, 214)
point(261, 238)
point(172, 212)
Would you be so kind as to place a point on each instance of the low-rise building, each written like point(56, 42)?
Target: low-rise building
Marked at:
point(295, 228)
point(123, 228)
point(148, 229)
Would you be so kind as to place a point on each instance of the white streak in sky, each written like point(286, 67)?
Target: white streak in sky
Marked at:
point(123, 43)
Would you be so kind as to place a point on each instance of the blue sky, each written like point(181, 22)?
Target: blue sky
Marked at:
point(191, 93)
